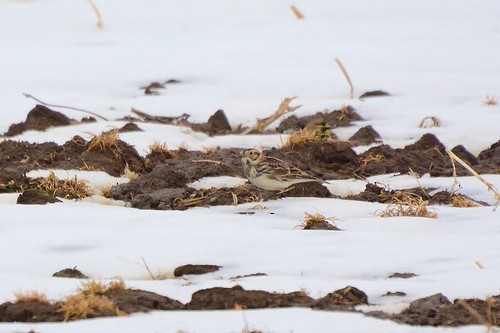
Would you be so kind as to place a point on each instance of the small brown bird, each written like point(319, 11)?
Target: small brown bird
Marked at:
point(270, 173)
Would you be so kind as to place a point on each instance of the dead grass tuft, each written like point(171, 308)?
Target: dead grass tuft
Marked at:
point(160, 148)
point(404, 204)
point(31, 296)
point(310, 221)
point(458, 200)
point(210, 150)
point(107, 141)
point(91, 300)
point(490, 101)
point(371, 158)
point(427, 122)
point(301, 136)
point(65, 188)
point(127, 173)
point(80, 306)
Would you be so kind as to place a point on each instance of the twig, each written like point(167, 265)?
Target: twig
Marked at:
point(342, 68)
point(63, 106)
point(147, 268)
point(100, 22)
point(297, 12)
point(207, 161)
point(262, 124)
point(419, 184)
point(160, 119)
point(474, 173)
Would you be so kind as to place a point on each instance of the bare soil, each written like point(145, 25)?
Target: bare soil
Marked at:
point(435, 310)
point(162, 184)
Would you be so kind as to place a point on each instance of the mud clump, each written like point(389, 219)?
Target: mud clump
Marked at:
point(365, 136)
point(237, 298)
point(39, 119)
point(374, 93)
point(309, 189)
point(217, 124)
point(76, 153)
point(342, 299)
point(195, 269)
point(132, 300)
point(30, 312)
point(437, 310)
point(70, 273)
point(32, 197)
point(336, 118)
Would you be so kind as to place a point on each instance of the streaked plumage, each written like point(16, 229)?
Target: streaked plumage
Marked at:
point(270, 173)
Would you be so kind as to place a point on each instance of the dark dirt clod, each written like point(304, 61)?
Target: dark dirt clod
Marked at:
point(465, 155)
point(309, 189)
point(195, 269)
point(232, 298)
point(438, 310)
point(345, 299)
point(321, 225)
point(365, 136)
point(30, 312)
point(131, 300)
point(336, 118)
point(39, 119)
point(375, 193)
point(394, 293)
point(130, 127)
point(74, 154)
point(70, 273)
point(217, 124)
point(32, 197)
point(402, 275)
point(374, 93)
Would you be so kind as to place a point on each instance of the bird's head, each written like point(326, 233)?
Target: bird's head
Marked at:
point(251, 156)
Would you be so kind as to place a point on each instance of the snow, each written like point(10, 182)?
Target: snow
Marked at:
point(439, 59)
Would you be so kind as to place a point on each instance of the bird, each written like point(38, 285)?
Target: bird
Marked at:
point(272, 174)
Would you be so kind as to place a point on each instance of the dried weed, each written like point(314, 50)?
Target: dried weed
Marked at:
point(31, 296)
point(405, 204)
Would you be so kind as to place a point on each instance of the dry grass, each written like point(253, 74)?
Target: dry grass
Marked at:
point(427, 122)
point(127, 173)
point(66, 188)
point(100, 22)
point(81, 307)
point(106, 191)
point(107, 141)
point(91, 300)
point(301, 136)
point(160, 148)
point(370, 158)
point(310, 220)
point(261, 124)
point(31, 296)
point(458, 200)
point(346, 75)
point(490, 101)
point(97, 288)
point(210, 150)
point(454, 158)
point(297, 12)
point(408, 205)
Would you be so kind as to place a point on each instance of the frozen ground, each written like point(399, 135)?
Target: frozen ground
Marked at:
point(436, 59)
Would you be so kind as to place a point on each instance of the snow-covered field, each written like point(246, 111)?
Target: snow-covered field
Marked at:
point(436, 59)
